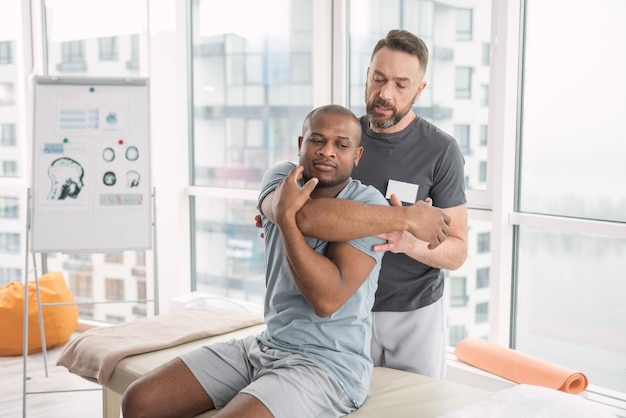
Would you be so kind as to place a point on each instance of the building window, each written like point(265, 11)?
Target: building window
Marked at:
point(463, 83)
point(7, 134)
point(9, 243)
point(81, 285)
point(108, 48)
point(115, 319)
point(483, 242)
point(73, 51)
point(9, 169)
point(462, 135)
point(464, 24)
point(140, 258)
point(7, 94)
point(301, 71)
point(482, 171)
point(484, 92)
point(114, 289)
point(8, 274)
point(116, 257)
point(486, 58)
point(456, 334)
point(72, 57)
point(482, 312)
point(142, 292)
point(482, 278)
point(133, 62)
point(458, 291)
point(483, 135)
point(6, 52)
point(9, 207)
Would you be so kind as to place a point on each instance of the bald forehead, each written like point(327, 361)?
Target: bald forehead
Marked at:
point(336, 125)
point(330, 110)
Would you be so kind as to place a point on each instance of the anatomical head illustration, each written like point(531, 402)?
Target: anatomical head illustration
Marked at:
point(67, 178)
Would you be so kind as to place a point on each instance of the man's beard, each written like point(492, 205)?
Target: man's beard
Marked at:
point(382, 122)
point(322, 183)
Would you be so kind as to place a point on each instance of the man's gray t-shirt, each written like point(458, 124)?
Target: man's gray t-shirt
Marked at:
point(341, 342)
point(424, 156)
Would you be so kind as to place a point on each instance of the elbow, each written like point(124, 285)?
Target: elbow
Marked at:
point(304, 222)
point(325, 309)
point(456, 264)
point(457, 261)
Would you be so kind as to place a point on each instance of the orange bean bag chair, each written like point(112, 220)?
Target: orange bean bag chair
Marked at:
point(59, 321)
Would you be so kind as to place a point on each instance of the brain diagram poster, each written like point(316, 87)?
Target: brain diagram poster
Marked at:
point(91, 180)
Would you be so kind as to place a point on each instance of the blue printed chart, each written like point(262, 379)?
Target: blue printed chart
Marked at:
point(91, 165)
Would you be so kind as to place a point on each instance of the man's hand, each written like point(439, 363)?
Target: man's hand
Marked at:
point(288, 197)
point(426, 223)
point(258, 223)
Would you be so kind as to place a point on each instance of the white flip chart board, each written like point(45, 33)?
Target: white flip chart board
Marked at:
point(91, 165)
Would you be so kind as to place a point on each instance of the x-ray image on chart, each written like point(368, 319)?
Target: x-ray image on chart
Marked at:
point(132, 179)
point(67, 178)
point(91, 112)
point(66, 183)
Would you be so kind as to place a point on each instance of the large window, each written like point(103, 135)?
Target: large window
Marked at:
point(571, 242)
point(12, 145)
point(252, 87)
point(100, 43)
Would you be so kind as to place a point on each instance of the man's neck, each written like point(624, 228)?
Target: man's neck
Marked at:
point(328, 192)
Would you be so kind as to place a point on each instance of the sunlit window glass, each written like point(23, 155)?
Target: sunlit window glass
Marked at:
point(12, 145)
point(467, 291)
point(252, 88)
point(570, 311)
point(229, 250)
point(573, 147)
point(94, 38)
point(571, 286)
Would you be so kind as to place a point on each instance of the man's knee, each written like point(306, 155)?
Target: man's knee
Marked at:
point(135, 402)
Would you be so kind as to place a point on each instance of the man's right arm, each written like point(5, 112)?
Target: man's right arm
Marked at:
point(339, 220)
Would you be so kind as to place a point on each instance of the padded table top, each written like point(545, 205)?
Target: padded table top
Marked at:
point(393, 393)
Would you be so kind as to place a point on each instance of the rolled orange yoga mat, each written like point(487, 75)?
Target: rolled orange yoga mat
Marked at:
point(518, 367)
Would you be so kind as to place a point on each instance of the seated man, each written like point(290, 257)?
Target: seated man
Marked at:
point(313, 358)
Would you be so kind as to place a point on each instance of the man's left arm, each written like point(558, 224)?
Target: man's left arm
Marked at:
point(450, 254)
point(325, 281)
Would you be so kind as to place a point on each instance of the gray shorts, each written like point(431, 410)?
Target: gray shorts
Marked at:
point(414, 341)
point(289, 385)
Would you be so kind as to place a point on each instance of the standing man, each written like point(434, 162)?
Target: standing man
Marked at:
point(408, 156)
point(409, 160)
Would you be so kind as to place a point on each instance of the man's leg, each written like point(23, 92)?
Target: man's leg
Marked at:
point(202, 379)
point(414, 341)
point(170, 390)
